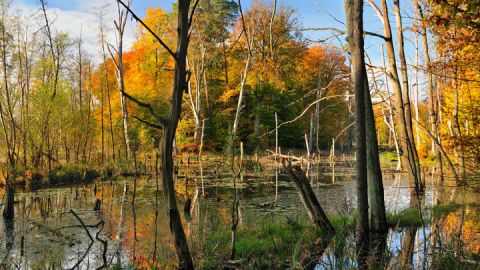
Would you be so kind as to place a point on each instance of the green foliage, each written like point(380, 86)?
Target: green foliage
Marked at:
point(68, 174)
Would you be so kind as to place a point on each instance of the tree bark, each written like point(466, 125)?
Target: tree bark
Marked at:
point(376, 202)
point(354, 15)
point(406, 98)
point(309, 200)
point(432, 99)
point(407, 146)
point(458, 131)
point(249, 40)
point(236, 121)
point(180, 85)
point(120, 28)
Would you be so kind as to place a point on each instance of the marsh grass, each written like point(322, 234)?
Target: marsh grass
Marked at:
point(410, 217)
point(268, 243)
point(443, 209)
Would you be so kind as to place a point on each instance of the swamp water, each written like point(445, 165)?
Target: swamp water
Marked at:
point(124, 235)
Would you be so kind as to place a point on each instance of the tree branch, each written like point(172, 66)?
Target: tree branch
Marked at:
point(342, 32)
point(305, 111)
point(377, 10)
point(190, 19)
point(147, 123)
point(140, 103)
point(149, 30)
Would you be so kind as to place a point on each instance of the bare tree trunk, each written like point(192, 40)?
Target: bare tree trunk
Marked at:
point(195, 100)
point(376, 202)
point(276, 137)
point(317, 111)
point(236, 121)
point(249, 40)
point(378, 219)
point(390, 124)
point(432, 109)
point(180, 85)
point(120, 28)
point(416, 91)
point(354, 15)
point(407, 146)
point(169, 126)
point(101, 15)
point(458, 131)
point(406, 98)
point(311, 133)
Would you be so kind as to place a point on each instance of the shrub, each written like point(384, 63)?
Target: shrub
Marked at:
point(33, 179)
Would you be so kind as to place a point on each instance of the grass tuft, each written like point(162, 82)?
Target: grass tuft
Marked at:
point(410, 217)
point(443, 209)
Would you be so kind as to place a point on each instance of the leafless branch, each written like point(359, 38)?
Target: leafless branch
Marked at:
point(305, 111)
point(341, 32)
point(377, 10)
point(190, 19)
point(149, 30)
point(147, 123)
point(146, 105)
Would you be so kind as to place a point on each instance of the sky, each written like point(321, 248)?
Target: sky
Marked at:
point(75, 16)
point(78, 17)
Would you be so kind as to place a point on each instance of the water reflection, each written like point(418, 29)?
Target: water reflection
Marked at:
point(45, 235)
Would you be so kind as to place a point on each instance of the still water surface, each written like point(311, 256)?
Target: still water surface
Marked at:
point(46, 235)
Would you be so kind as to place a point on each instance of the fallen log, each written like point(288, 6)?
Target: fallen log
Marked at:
point(309, 200)
point(290, 157)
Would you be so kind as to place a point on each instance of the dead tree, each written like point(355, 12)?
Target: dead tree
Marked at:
point(169, 125)
point(101, 15)
point(117, 57)
point(249, 42)
point(309, 200)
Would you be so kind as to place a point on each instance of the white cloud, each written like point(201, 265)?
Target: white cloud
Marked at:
point(80, 17)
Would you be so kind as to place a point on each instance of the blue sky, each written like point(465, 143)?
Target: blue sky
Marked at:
point(75, 16)
point(311, 13)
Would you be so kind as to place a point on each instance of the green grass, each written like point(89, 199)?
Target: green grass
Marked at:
point(270, 243)
point(444, 209)
point(343, 222)
point(410, 217)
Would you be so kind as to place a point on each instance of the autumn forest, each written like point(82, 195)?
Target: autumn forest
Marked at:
point(228, 134)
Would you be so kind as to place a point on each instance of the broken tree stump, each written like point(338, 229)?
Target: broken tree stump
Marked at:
point(309, 200)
